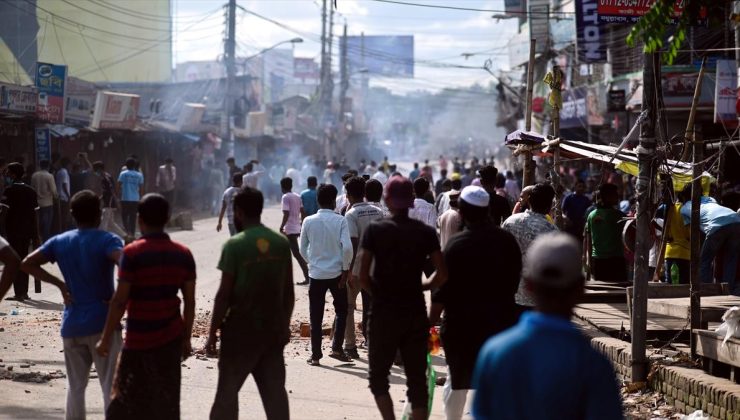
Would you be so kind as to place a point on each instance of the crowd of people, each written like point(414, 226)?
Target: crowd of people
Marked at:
point(503, 277)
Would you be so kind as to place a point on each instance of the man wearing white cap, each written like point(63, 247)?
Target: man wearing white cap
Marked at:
point(476, 306)
point(516, 378)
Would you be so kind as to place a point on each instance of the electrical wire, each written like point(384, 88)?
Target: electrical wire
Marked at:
point(468, 9)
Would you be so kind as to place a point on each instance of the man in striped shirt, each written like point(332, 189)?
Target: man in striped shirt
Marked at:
point(152, 272)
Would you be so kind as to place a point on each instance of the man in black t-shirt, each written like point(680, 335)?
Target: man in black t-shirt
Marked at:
point(498, 207)
point(398, 320)
point(476, 306)
point(21, 224)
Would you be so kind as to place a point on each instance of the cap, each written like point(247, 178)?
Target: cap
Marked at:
point(475, 196)
point(554, 260)
point(453, 193)
point(476, 182)
point(399, 193)
point(455, 176)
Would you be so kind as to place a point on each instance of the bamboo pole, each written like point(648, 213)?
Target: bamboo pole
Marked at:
point(529, 167)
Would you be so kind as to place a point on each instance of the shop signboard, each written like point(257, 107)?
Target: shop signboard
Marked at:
point(589, 39)
point(725, 93)
point(42, 144)
point(18, 99)
point(50, 82)
point(115, 110)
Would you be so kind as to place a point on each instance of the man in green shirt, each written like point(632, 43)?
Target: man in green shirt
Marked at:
point(257, 293)
point(603, 239)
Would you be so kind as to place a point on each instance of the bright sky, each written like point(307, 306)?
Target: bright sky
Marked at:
point(441, 35)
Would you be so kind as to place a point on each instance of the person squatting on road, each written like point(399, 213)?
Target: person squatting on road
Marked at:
point(252, 310)
point(152, 271)
point(400, 247)
point(86, 257)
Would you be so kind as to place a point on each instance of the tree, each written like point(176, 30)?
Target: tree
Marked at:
point(660, 25)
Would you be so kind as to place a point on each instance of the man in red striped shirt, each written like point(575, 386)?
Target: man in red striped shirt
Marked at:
point(152, 271)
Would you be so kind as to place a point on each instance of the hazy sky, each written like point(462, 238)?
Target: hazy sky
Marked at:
point(441, 36)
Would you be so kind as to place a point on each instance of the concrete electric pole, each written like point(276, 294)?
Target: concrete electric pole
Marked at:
point(230, 61)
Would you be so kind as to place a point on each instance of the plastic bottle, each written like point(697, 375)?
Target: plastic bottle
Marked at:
point(675, 276)
point(434, 342)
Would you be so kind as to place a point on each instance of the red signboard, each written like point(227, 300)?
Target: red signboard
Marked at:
point(613, 11)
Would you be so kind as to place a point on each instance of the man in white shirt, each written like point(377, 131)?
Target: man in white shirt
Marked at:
point(326, 245)
point(294, 174)
point(63, 188)
point(166, 178)
point(359, 217)
point(293, 213)
point(46, 188)
point(227, 204)
point(380, 176)
point(251, 176)
point(423, 211)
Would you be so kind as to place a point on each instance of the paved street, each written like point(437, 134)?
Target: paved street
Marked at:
point(332, 391)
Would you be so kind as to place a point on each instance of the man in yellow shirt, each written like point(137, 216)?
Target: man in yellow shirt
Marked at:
point(678, 245)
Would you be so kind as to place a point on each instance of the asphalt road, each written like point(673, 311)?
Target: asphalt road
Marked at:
point(333, 391)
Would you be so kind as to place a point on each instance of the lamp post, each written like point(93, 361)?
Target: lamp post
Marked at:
point(261, 52)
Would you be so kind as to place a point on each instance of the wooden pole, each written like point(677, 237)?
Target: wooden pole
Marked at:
point(529, 167)
point(646, 162)
point(696, 192)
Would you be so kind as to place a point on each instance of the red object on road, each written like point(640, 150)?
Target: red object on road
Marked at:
point(434, 341)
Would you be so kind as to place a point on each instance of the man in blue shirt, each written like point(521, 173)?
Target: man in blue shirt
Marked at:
point(131, 187)
point(722, 227)
point(516, 379)
point(308, 197)
point(86, 257)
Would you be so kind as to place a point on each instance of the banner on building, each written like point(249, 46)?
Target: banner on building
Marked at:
point(18, 99)
point(115, 110)
point(539, 24)
point(79, 102)
point(621, 11)
point(616, 100)
point(50, 82)
point(725, 92)
point(582, 106)
point(591, 45)
point(43, 144)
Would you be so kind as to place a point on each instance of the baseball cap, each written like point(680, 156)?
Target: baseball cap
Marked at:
point(399, 193)
point(455, 176)
point(475, 196)
point(554, 260)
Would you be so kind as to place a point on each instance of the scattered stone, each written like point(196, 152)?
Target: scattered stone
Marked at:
point(209, 367)
point(10, 368)
point(2, 329)
point(93, 376)
point(27, 391)
point(24, 344)
point(25, 366)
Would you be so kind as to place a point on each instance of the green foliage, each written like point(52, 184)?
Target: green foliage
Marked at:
point(651, 29)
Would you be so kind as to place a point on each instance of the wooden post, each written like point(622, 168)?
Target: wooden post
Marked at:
point(529, 167)
point(696, 192)
point(555, 80)
point(646, 163)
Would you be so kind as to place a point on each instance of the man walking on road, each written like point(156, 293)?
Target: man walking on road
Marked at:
point(423, 211)
point(308, 197)
point(166, 179)
point(46, 189)
point(527, 226)
point(21, 223)
point(359, 217)
point(603, 247)
point(257, 293)
point(475, 307)
point(398, 321)
point(499, 208)
point(152, 271)
point(326, 245)
point(227, 204)
point(108, 200)
point(291, 225)
point(86, 257)
point(63, 188)
point(131, 188)
point(570, 380)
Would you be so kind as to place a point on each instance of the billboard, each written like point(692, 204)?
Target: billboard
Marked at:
point(115, 110)
point(42, 144)
point(50, 81)
point(539, 24)
point(390, 56)
point(591, 45)
point(725, 93)
point(79, 102)
point(620, 11)
point(18, 99)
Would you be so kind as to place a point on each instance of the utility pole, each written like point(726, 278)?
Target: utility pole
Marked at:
point(229, 59)
point(646, 177)
point(343, 91)
point(529, 167)
point(555, 80)
point(330, 84)
point(696, 193)
point(323, 81)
